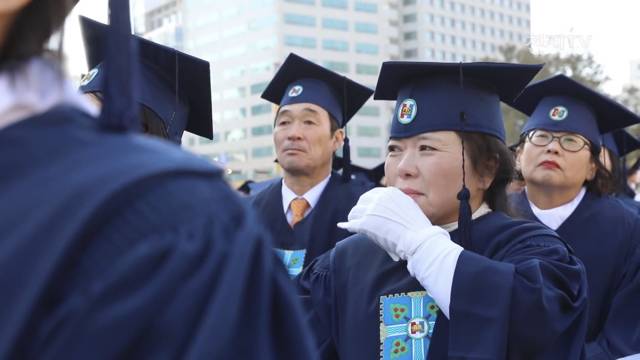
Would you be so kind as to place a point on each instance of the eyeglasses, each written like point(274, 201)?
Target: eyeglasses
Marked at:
point(569, 142)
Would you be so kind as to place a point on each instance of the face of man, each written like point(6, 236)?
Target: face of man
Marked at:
point(303, 140)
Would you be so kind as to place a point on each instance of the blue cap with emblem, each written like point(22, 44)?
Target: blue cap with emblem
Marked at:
point(301, 81)
point(436, 96)
point(451, 97)
point(174, 85)
point(562, 104)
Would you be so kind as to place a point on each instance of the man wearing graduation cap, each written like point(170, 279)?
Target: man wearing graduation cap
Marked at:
point(116, 245)
point(174, 88)
point(567, 189)
point(302, 210)
point(437, 269)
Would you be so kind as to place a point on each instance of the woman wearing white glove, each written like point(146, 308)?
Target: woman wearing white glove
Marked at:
point(435, 271)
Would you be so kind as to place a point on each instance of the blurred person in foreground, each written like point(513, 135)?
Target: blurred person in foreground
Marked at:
point(117, 245)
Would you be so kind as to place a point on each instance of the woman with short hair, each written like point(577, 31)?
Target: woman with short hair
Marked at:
point(567, 189)
point(437, 272)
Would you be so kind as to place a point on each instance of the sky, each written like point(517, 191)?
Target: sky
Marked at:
point(609, 30)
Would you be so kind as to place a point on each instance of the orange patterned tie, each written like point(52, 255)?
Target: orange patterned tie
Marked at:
point(298, 208)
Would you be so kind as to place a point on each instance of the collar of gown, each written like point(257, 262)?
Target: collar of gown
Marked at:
point(35, 87)
point(482, 210)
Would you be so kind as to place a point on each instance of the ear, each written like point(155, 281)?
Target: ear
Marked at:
point(338, 139)
point(591, 171)
point(486, 179)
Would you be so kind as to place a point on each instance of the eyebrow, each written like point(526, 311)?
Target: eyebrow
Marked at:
point(428, 137)
point(307, 109)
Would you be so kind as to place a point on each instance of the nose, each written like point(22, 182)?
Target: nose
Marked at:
point(408, 167)
point(553, 147)
point(294, 132)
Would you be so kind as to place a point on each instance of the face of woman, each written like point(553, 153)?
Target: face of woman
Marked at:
point(428, 167)
point(552, 167)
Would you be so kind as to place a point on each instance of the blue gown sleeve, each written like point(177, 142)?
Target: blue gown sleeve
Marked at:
point(530, 296)
point(173, 267)
point(621, 333)
point(316, 289)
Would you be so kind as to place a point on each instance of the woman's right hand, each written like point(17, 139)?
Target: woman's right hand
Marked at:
point(392, 220)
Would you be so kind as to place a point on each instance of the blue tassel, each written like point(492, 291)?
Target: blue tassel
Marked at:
point(346, 164)
point(120, 111)
point(464, 218)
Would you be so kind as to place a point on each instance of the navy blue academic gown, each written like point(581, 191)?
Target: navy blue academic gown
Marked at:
point(605, 236)
point(317, 232)
point(123, 246)
point(627, 198)
point(516, 294)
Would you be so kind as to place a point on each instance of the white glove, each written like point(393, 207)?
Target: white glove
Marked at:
point(392, 220)
point(396, 223)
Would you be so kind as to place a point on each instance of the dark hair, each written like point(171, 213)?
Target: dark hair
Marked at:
point(152, 124)
point(616, 173)
point(602, 183)
point(490, 156)
point(333, 123)
point(31, 29)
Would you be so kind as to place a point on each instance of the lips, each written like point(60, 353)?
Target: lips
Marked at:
point(292, 149)
point(549, 164)
point(411, 192)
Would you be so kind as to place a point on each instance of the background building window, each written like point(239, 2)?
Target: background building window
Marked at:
point(337, 66)
point(262, 152)
point(335, 45)
point(261, 130)
point(301, 20)
point(338, 4)
point(369, 152)
point(367, 28)
point(366, 48)
point(411, 35)
point(366, 69)
point(368, 131)
point(366, 7)
point(369, 111)
point(335, 24)
point(300, 41)
point(260, 109)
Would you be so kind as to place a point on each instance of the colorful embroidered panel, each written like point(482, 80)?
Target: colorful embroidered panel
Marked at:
point(407, 322)
point(293, 260)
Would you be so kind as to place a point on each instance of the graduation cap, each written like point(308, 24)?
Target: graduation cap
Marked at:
point(451, 97)
point(370, 175)
point(301, 81)
point(562, 104)
point(433, 96)
point(620, 142)
point(174, 85)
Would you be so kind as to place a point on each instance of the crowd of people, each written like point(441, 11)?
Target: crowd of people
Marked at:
point(118, 244)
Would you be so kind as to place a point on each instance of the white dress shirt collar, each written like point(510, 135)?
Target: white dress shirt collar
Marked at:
point(553, 218)
point(312, 196)
point(482, 210)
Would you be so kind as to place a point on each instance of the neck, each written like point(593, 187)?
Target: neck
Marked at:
point(300, 184)
point(548, 198)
